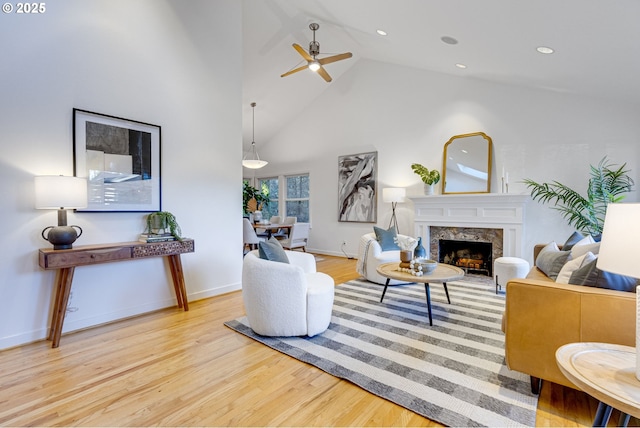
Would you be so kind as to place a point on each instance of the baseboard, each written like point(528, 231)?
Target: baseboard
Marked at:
point(94, 321)
point(331, 253)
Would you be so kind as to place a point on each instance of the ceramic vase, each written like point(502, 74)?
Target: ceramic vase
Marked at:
point(419, 251)
point(405, 255)
point(428, 189)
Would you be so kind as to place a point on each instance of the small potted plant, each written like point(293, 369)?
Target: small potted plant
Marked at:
point(163, 221)
point(428, 177)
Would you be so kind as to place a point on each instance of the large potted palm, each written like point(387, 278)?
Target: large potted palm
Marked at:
point(608, 184)
point(260, 196)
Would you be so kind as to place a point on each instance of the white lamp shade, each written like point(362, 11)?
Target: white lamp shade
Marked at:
point(620, 235)
point(394, 194)
point(58, 191)
point(253, 163)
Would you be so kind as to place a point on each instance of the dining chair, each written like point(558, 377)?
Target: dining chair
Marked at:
point(249, 236)
point(298, 237)
point(275, 219)
point(284, 233)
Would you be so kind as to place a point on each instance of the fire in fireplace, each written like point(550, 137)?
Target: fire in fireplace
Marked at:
point(471, 256)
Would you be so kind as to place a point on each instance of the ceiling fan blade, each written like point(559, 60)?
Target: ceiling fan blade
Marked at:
point(302, 52)
point(330, 59)
point(295, 70)
point(322, 72)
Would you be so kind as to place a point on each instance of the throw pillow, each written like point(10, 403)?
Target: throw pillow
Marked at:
point(584, 241)
point(591, 276)
point(572, 240)
point(573, 265)
point(579, 250)
point(550, 260)
point(272, 250)
point(386, 238)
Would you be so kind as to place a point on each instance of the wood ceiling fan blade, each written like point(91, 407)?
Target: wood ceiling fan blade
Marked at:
point(330, 59)
point(322, 72)
point(302, 52)
point(295, 70)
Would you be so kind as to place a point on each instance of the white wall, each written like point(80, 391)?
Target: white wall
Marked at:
point(156, 61)
point(407, 115)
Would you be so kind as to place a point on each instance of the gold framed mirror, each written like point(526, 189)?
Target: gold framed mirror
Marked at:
point(466, 164)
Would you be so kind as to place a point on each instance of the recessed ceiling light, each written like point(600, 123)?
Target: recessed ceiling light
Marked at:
point(461, 66)
point(544, 50)
point(381, 32)
point(449, 40)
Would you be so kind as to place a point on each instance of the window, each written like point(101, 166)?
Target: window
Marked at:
point(271, 186)
point(297, 197)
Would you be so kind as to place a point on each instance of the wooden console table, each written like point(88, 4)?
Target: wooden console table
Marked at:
point(65, 262)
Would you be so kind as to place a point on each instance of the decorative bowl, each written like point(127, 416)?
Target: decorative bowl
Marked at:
point(427, 265)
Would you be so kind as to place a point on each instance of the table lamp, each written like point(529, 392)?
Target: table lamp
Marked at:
point(61, 193)
point(394, 195)
point(620, 235)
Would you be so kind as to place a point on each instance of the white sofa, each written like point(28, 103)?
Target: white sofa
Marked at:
point(370, 256)
point(283, 299)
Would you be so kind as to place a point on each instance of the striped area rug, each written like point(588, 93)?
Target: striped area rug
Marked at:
point(452, 373)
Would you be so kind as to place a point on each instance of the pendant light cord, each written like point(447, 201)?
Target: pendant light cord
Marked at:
point(253, 126)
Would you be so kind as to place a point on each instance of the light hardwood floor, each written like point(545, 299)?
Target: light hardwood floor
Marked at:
point(174, 368)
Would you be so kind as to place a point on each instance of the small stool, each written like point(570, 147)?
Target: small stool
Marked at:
point(506, 268)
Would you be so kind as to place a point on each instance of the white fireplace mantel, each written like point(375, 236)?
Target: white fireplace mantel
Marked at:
point(488, 210)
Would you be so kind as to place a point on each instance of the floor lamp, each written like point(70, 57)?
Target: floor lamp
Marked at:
point(394, 195)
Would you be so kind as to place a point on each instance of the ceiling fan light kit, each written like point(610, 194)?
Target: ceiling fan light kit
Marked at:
point(251, 159)
point(313, 62)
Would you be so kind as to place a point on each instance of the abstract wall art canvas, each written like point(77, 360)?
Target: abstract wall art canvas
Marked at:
point(357, 187)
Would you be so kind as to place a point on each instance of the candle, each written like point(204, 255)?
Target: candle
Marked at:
point(506, 178)
point(502, 172)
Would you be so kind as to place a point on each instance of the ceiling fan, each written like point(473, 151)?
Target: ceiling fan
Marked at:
point(314, 63)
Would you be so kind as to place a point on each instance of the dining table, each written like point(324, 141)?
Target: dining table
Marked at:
point(271, 227)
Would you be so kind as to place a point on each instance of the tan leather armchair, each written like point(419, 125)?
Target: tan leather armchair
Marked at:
point(541, 315)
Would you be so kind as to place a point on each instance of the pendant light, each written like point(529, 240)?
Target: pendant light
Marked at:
point(251, 159)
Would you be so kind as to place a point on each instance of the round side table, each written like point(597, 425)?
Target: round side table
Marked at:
point(605, 371)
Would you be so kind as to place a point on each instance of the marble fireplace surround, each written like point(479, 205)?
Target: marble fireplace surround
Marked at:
point(502, 211)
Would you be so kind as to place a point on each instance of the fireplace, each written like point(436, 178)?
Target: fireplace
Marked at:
point(471, 256)
point(478, 247)
point(497, 218)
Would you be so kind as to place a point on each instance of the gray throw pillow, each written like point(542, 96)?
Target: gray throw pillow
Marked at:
point(591, 276)
point(572, 240)
point(272, 250)
point(550, 260)
point(386, 238)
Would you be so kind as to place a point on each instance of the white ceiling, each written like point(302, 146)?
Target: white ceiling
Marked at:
point(596, 42)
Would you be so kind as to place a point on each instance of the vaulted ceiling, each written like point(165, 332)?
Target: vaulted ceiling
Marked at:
point(596, 47)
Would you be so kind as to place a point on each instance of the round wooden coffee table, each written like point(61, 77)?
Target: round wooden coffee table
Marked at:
point(442, 273)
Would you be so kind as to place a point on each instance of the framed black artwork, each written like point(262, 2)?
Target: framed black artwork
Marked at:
point(120, 158)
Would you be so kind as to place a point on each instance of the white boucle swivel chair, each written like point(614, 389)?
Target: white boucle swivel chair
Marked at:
point(370, 256)
point(283, 299)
